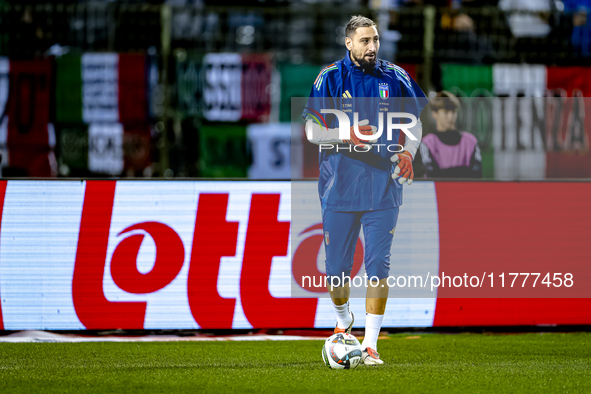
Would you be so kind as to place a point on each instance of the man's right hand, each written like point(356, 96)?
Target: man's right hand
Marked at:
point(364, 129)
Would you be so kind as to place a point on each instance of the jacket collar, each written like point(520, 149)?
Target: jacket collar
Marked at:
point(351, 66)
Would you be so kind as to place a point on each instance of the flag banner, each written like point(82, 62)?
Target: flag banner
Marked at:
point(568, 80)
point(100, 87)
point(29, 103)
point(256, 87)
point(137, 149)
point(100, 148)
point(519, 137)
point(222, 96)
point(466, 78)
point(35, 162)
point(569, 151)
point(271, 146)
point(26, 134)
point(295, 82)
point(133, 99)
point(189, 85)
point(68, 89)
point(532, 138)
point(105, 148)
point(73, 148)
point(529, 80)
point(516, 80)
point(529, 138)
point(224, 87)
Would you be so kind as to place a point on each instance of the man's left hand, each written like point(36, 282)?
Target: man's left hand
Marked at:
point(403, 168)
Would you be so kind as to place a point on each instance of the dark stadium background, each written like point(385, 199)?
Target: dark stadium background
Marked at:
point(195, 90)
point(157, 193)
point(282, 45)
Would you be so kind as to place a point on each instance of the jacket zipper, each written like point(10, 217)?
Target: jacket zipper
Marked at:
point(369, 172)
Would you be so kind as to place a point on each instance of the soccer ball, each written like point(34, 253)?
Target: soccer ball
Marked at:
point(341, 351)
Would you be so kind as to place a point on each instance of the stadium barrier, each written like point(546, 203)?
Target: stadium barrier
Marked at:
point(199, 254)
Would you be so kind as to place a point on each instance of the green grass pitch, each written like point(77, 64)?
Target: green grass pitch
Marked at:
point(435, 363)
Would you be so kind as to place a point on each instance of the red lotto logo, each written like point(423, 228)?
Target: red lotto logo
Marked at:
point(213, 238)
point(305, 260)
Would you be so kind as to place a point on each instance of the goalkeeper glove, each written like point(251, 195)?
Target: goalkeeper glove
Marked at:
point(363, 129)
point(403, 168)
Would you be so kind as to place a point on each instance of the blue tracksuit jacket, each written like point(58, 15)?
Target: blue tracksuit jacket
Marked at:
point(355, 181)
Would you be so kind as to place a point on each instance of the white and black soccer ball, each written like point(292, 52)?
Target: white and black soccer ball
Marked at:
point(341, 351)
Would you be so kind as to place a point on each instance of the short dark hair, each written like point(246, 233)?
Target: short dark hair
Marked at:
point(356, 22)
point(445, 100)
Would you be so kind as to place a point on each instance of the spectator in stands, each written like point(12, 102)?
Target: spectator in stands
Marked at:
point(449, 153)
point(452, 18)
point(527, 18)
point(581, 35)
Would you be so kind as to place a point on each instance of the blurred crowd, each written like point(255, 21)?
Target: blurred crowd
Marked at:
point(180, 88)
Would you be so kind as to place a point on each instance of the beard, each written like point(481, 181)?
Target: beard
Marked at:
point(364, 63)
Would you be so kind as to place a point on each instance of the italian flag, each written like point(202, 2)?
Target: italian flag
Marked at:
point(101, 87)
point(529, 139)
point(101, 112)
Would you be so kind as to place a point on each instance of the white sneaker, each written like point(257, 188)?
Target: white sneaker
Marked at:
point(370, 357)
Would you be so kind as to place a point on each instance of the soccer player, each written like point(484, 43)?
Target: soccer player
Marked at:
point(360, 180)
point(449, 153)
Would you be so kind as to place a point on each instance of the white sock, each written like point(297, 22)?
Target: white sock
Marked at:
point(343, 315)
point(373, 324)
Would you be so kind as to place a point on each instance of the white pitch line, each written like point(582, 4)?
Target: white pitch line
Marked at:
point(44, 336)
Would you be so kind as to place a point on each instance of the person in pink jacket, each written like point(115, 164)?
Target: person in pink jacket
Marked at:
point(449, 153)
